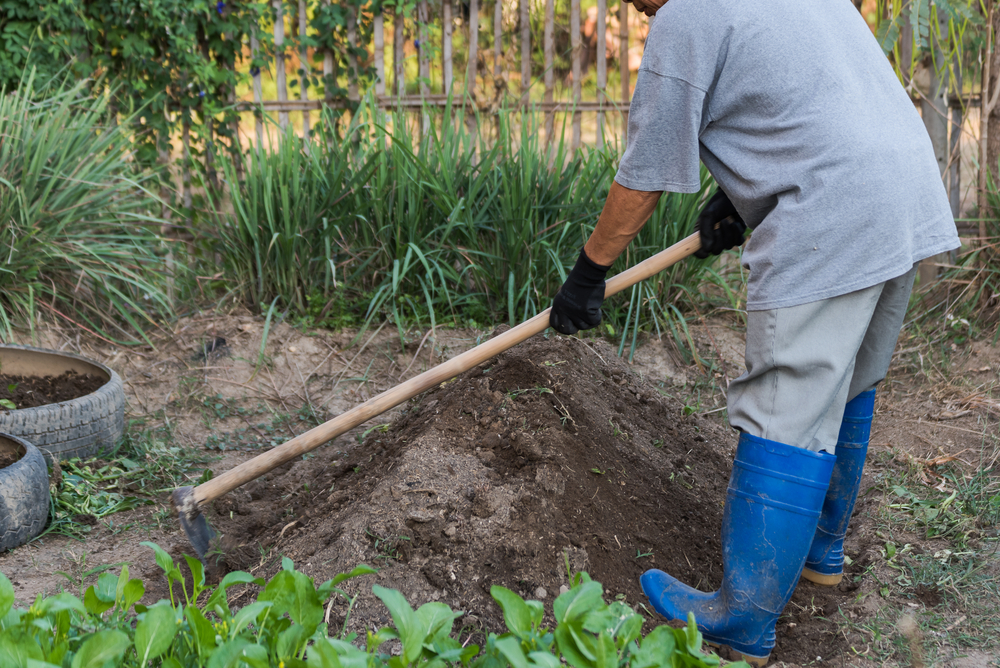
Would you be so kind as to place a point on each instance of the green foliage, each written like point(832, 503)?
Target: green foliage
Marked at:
point(382, 224)
point(174, 62)
point(284, 627)
point(77, 225)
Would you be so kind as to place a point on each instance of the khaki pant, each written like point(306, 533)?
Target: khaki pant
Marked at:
point(804, 363)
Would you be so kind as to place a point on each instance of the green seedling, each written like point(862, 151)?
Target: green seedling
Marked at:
point(8, 404)
point(639, 554)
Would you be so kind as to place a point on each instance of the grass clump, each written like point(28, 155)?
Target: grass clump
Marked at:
point(451, 226)
point(78, 233)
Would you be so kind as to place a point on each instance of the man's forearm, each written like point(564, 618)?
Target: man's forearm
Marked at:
point(625, 212)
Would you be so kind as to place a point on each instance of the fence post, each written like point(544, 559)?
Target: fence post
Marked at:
point(447, 31)
point(279, 60)
point(423, 64)
point(399, 38)
point(602, 66)
point(379, 30)
point(577, 45)
point(304, 67)
point(352, 59)
point(525, 52)
point(549, 46)
point(623, 63)
point(258, 96)
point(497, 45)
point(470, 74)
point(329, 79)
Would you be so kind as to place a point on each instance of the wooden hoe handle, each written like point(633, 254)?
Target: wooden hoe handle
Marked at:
point(303, 443)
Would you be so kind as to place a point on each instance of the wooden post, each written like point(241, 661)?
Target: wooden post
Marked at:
point(352, 60)
point(623, 62)
point(304, 67)
point(186, 171)
point(257, 94)
point(279, 61)
point(398, 57)
point(602, 65)
point(525, 52)
point(329, 78)
point(470, 72)
point(448, 29)
point(470, 75)
point(423, 63)
point(379, 39)
point(577, 45)
point(497, 44)
point(549, 45)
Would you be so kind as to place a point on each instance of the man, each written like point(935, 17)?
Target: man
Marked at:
point(797, 113)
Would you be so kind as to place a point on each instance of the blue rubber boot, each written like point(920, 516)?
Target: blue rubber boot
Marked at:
point(772, 506)
point(825, 563)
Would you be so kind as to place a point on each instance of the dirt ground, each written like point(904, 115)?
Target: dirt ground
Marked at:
point(555, 452)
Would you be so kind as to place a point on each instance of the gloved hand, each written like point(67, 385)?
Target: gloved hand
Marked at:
point(578, 303)
point(719, 226)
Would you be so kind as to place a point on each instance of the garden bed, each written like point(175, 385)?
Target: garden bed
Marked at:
point(499, 476)
point(33, 391)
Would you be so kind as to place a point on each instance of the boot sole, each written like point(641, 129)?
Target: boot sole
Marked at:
point(755, 661)
point(822, 578)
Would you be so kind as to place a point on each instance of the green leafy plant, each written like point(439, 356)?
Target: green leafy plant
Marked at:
point(284, 627)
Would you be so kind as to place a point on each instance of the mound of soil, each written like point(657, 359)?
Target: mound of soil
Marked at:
point(553, 451)
point(33, 391)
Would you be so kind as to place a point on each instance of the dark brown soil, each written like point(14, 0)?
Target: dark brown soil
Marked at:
point(7, 458)
point(32, 391)
point(553, 451)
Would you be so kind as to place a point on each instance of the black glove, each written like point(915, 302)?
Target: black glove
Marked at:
point(578, 303)
point(719, 226)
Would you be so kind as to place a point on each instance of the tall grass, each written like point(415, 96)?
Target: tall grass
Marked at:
point(452, 226)
point(77, 228)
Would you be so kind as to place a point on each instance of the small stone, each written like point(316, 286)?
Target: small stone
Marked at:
point(450, 531)
point(293, 349)
point(540, 593)
point(420, 516)
point(563, 589)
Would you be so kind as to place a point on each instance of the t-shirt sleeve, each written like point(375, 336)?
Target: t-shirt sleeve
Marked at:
point(665, 120)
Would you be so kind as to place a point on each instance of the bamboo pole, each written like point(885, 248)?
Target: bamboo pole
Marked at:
point(379, 38)
point(623, 62)
point(577, 45)
point(602, 65)
point(525, 51)
point(279, 60)
point(448, 29)
point(304, 66)
point(549, 45)
point(329, 79)
point(258, 96)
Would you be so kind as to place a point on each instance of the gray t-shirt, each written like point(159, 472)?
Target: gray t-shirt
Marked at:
point(795, 110)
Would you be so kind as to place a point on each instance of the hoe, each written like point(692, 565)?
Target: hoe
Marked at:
point(188, 501)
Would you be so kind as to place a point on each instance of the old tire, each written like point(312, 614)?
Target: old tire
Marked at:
point(81, 427)
point(24, 493)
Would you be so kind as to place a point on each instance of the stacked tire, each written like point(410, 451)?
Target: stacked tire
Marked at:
point(24, 493)
point(80, 427)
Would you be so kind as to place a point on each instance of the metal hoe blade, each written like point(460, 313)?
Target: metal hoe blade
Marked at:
point(192, 521)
